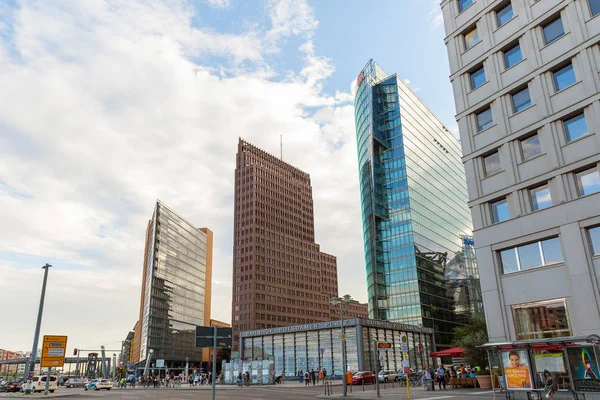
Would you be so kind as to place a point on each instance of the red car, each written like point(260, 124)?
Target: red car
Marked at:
point(363, 376)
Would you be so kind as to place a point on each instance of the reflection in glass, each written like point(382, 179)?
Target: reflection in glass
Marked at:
point(463, 4)
point(588, 181)
point(576, 127)
point(504, 15)
point(491, 163)
point(544, 319)
point(564, 77)
point(529, 256)
point(553, 30)
point(521, 100)
point(595, 239)
point(530, 146)
point(289, 355)
point(500, 211)
point(540, 198)
point(471, 38)
point(552, 251)
point(477, 78)
point(594, 7)
point(513, 56)
point(484, 119)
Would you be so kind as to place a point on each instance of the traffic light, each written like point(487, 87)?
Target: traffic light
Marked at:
point(74, 352)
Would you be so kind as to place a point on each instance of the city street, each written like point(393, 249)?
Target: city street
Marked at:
point(276, 392)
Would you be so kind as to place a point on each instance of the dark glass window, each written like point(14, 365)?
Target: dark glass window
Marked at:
point(464, 4)
point(491, 163)
point(564, 77)
point(500, 211)
point(512, 56)
point(521, 100)
point(576, 127)
point(553, 30)
point(477, 78)
point(530, 146)
point(594, 7)
point(540, 197)
point(588, 181)
point(484, 119)
point(504, 15)
point(595, 239)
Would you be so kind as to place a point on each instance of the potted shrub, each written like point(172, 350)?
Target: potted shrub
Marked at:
point(484, 379)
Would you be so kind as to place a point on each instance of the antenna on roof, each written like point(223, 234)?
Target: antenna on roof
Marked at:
point(281, 147)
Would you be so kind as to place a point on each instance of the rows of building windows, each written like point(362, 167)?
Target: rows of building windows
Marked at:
point(503, 13)
point(586, 181)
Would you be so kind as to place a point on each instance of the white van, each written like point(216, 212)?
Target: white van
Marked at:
point(38, 384)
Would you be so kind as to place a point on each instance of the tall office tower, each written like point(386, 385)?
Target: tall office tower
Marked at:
point(414, 204)
point(176, 289)
point(280, 277)
point(526, 87)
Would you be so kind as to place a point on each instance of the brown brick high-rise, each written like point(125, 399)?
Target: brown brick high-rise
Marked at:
point(280, 277)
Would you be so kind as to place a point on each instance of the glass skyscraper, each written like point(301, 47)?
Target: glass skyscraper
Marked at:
point(414, 204)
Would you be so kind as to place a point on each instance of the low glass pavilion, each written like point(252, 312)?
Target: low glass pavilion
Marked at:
point(270, 352)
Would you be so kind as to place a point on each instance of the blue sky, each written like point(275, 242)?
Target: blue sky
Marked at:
point(111, 105)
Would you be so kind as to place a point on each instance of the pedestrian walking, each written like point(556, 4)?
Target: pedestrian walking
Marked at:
point(306, 378)
point(313, 376)
point(300, 376)
point(441, 377)
point(324, 375)
point(320, 376)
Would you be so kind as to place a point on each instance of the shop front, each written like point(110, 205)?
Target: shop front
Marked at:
point(267, 353)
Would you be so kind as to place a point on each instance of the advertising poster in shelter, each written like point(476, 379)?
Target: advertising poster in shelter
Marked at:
point(584, 367)
point(517, 370)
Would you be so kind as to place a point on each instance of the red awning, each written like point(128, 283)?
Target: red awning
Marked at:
point(455, 352)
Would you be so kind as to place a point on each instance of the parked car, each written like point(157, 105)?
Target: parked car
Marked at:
point(98, 384)
point(363, 376)
point(38, 384)
point(13, 387)
point(386, 376)
point(75, 383)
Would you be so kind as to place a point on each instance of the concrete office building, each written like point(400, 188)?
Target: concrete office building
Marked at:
point(280, 276)
point(176, 290)
point(527, 93)
point(414, 205)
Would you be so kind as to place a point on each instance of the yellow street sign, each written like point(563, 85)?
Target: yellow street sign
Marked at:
point(53, 351)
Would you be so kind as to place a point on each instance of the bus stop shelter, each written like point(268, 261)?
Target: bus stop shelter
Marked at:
point(573, 362)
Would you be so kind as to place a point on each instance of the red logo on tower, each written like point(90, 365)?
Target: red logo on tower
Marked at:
point(360, 79)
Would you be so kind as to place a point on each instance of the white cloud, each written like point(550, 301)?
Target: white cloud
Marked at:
point(106, 108)
point(219, 3)
point(435, 18)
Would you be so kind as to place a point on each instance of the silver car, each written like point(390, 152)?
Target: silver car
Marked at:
point(74, 383)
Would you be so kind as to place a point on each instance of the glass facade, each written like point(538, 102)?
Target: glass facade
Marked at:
point(413, 200)
point(319, 346)
point(174, 302)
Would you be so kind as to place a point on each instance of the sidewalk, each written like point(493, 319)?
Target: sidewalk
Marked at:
point(38, 395)
point(182, 387)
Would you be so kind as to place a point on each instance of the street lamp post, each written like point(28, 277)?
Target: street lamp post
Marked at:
point(335, 302)
point(31, 365)
point(187, 367)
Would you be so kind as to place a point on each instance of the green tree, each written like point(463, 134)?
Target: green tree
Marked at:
point(471, 336)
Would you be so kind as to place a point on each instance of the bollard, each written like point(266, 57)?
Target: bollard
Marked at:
point(363, 385)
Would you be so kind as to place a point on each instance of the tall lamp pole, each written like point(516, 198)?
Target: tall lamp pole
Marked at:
point(31, 366)
point(335, 302)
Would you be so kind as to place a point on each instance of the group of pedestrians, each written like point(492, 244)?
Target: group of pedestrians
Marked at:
point(432, 376)
point(313, 376)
